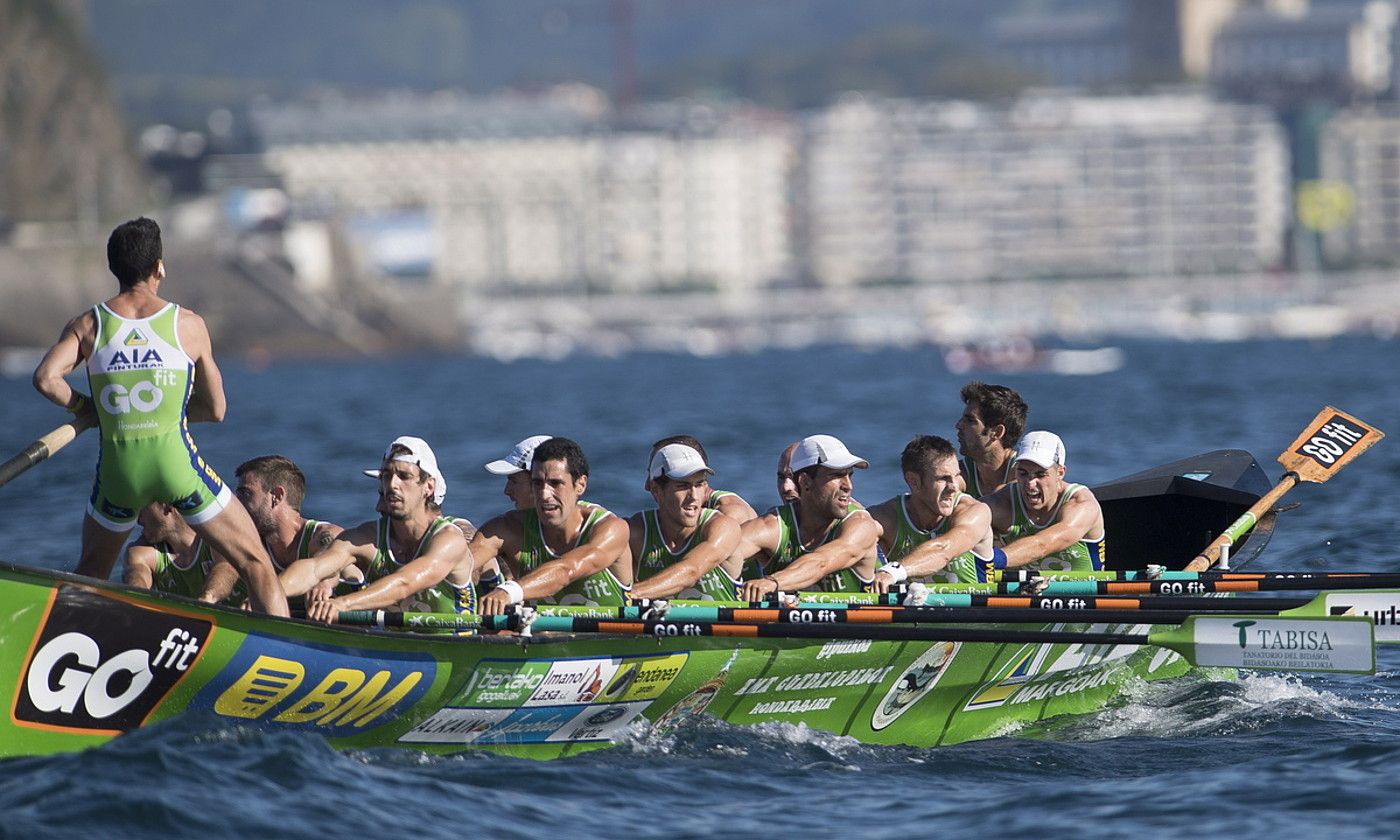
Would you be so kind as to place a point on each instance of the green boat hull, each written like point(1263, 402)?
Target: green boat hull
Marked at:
point(83, 661)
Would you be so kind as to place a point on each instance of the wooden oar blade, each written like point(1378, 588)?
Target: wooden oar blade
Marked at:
point(1342, 644)
point(1331, 441)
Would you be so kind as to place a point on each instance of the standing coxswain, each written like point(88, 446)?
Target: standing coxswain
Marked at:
point(151, 369)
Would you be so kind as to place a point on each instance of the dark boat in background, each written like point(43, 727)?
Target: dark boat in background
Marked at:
point(1166, 514)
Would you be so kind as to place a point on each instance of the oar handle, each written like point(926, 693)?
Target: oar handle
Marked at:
point(1211, 553)
point(45, 447)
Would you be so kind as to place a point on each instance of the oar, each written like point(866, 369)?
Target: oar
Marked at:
point(1342, 644)
point(1208, 574)
point(1330, 442)
point(44, 447)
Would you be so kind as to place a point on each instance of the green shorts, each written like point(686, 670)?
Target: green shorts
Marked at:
point(132, 474)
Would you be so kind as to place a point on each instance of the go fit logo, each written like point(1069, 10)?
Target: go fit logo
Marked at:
point(143, 397)
point(83, 676)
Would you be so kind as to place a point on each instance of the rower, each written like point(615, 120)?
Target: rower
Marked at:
point(727, 502)
point(563, 550)
point(412, 556)
point(272, 488)
point(934, 532)
point(787, 487)
point(1045, 523)
point(992, 421)
point(151, 369)
point(516, 468)
point(170, 557)
point(823, 538)
point(683, 546)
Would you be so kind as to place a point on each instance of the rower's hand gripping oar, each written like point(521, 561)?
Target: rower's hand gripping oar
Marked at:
point(46, 446)
point(1330, 442)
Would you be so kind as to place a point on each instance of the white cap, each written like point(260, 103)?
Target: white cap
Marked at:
point(826, 451)
point(1043, 448)
point(519, 458)
point(676, 460)
point(420, 453)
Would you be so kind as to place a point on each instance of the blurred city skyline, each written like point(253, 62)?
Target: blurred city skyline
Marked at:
point(474, 150)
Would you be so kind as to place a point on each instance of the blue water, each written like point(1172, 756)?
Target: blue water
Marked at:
point(1261, 756)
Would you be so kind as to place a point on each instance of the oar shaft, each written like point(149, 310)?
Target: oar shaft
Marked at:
point(683, 629)
point(1243, 525)
point(43, 448)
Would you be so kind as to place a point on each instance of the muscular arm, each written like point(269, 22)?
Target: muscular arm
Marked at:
point(140, 567)
point(355, 545)
point(207, 403)
point(971, 527)
point(220, 582)
point(608, 544)
point(446, 549)
point(1079, 516)
point(718, 541)
point(62, 359)
point(853, 542)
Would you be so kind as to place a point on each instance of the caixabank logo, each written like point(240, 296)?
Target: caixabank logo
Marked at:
point(101, 664)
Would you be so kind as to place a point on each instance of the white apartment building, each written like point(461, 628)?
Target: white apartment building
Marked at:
point(1055, 185)
point(541, 193)
point(1360, 148)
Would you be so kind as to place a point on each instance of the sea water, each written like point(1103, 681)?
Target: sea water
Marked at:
point(1264, 755)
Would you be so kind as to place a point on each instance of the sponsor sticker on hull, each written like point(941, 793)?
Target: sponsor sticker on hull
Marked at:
point(917, 680)
point(332, 691)
point(101, 664)
point(529, 701)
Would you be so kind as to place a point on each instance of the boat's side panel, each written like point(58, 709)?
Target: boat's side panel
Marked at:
point(84, 662)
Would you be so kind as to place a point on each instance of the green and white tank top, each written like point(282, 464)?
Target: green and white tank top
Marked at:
point(189, 580)
point(715, 496)
point(967, 567)
point(974, 484)
point(1086, 555)
point(600, 589)
point(714, 585)
point(139, 374)
point(790, 548)
point(444, 597)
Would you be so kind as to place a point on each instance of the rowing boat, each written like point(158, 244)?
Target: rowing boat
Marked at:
point(82, 661)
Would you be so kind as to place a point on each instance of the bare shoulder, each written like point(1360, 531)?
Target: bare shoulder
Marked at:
point(502, 526)
point(884, 512)
point(325, 534)
point(968, 507)
point(1082, 498)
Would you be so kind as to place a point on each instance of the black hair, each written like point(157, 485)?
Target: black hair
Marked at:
point(133, 250)
point(562, 449)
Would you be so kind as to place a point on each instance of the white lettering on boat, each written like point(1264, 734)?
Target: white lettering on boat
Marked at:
point(793, 707)
point(814, 681)
point(87, 677)
point(840, 648)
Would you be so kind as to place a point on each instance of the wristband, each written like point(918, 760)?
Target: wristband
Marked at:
point(514, 591)
point(77, 403)
point(895, 570)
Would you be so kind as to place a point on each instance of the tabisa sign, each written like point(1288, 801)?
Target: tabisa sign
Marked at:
point(1345, 644)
